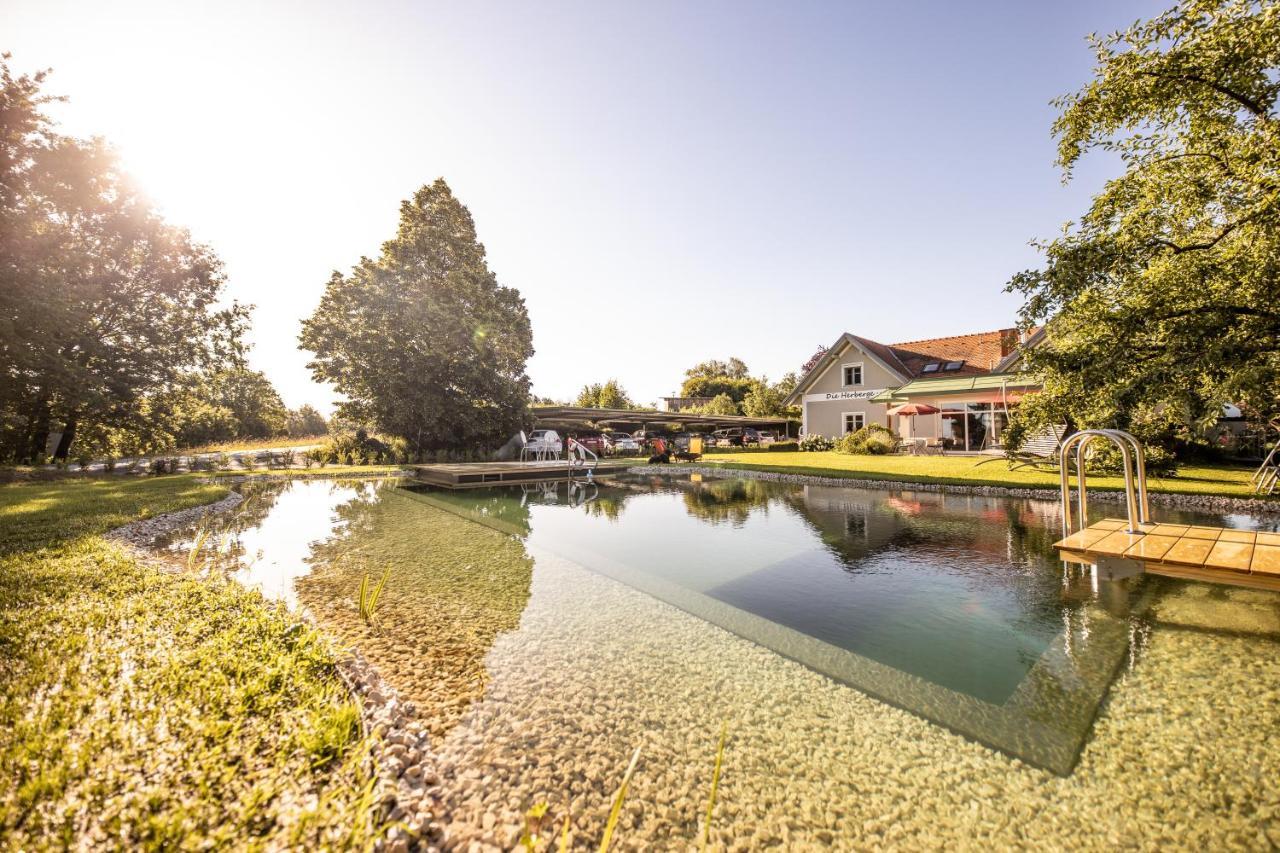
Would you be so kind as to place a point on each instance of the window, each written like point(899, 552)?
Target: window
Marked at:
point(854, 421)
point(954, 365)
point(852, 374)
point(931, 367)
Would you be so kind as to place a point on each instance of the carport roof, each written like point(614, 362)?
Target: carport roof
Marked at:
point(582, 416)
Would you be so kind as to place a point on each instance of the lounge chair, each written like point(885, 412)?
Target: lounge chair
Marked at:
point(1039, 450)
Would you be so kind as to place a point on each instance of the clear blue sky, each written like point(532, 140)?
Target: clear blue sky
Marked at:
point(663, 182)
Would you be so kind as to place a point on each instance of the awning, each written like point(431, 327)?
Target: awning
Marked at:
point(985, 388)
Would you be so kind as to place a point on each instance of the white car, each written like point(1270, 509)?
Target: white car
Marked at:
point(543, 442)
point(622, 443)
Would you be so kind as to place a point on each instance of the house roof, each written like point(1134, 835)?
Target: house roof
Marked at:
point(982, 353)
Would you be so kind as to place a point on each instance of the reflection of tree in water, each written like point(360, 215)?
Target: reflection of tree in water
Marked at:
point(454, 586)
point(732, 501)
point(217, 541)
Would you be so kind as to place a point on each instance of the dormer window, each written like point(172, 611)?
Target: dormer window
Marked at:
point(931, 367)
point(954, 365)
point(852, 374)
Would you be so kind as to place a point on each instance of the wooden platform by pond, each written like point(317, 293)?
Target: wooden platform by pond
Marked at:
point(1193, 552)
point(474, 475)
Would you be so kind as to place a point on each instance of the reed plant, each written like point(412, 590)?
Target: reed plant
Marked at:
point(715, 785)
point(616, 811)
point(369, 597)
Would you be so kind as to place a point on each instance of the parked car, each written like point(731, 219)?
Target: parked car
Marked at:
point(592, 441)
point(768, 436)
point(736, 436)
point(621, 444)
point(543, 441)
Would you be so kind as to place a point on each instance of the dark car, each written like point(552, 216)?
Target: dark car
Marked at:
point(736, 436)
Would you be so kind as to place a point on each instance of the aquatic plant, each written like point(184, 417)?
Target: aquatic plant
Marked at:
point(616, 811)
point(715, 785)
point(202, 536)
point(533, 826)
point(369, 598)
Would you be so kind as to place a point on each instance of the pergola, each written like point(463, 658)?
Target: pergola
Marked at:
point(579, 417)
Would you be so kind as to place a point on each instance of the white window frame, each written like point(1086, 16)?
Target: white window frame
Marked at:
point(859, 419)
point(862, 374)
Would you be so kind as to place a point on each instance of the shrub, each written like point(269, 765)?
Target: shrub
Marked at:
point(783, 447)
point(1107, 459)
point(815, 443)
point(872, 439)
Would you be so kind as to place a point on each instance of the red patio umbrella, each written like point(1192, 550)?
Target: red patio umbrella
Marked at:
point(913, 409)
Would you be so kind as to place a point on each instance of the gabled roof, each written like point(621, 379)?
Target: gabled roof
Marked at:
point(981, 353)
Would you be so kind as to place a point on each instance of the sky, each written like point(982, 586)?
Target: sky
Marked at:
point(664, 183)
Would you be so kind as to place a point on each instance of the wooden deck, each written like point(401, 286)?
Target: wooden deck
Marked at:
point(474, 475)
point(1213, 554)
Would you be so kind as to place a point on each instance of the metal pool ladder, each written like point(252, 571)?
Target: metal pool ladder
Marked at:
point(1135, 477)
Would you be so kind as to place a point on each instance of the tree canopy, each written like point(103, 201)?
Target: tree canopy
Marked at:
point(103, 305)
point(610, 395)
point(423, 341)
point(713, 377)
point(1163, 301)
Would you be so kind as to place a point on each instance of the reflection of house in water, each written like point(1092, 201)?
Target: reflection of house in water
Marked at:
point(859, 524)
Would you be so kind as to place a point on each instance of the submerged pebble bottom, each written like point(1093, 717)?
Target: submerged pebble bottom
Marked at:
point(1180, 756)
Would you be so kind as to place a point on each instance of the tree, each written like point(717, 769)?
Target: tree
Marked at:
point(721, 404)
point(102, 303)
point(610, 395)
point(424, 341)
point(306, 421)
point(713, 378)
point(1163, 301)
point(763, 400)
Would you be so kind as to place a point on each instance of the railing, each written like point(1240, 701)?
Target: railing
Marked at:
point(1135, 477)
point(579, 454)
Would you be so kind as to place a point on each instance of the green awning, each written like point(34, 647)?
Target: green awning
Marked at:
point(955, 385)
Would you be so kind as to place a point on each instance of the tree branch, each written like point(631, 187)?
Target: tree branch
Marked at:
point(1245, 101)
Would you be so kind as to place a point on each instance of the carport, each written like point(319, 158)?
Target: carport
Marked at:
point(630, 420)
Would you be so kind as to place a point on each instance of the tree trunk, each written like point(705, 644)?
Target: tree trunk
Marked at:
point(38, 431)
point(68, 436)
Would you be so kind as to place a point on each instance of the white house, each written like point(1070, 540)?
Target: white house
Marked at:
point(973, 381)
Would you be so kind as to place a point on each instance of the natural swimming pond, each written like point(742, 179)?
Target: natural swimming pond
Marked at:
point(953, 608)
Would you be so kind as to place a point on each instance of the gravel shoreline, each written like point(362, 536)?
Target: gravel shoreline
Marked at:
point(1211, 503)
point(401, 746)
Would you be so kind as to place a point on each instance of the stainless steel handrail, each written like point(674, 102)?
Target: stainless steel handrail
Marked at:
point(583, 453)
point(1135, 470)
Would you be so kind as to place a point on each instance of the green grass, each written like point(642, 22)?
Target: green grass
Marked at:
point(249, 444)
point(1231, 481)
point(142, 709)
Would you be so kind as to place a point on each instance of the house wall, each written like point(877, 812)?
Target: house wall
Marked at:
point(826, 417)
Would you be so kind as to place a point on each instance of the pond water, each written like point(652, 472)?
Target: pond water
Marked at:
point(953, 609)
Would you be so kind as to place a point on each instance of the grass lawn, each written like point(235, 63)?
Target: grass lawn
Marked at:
point(141, 709)
point(965, 470)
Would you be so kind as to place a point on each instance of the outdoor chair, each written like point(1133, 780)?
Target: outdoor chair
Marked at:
point(935, 447)
point(1039, 450)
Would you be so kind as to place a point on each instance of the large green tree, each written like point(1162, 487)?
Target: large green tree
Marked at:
point(102, 303)
point(714, 377)
point(609, 395)
point(423, 341)
point(1163, 301)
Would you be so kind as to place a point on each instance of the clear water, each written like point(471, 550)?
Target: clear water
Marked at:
point(955, 608)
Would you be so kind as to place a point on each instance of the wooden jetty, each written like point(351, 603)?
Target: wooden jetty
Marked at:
point(1192, 552)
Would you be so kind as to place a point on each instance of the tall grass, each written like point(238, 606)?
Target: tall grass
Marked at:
point(202, 537)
